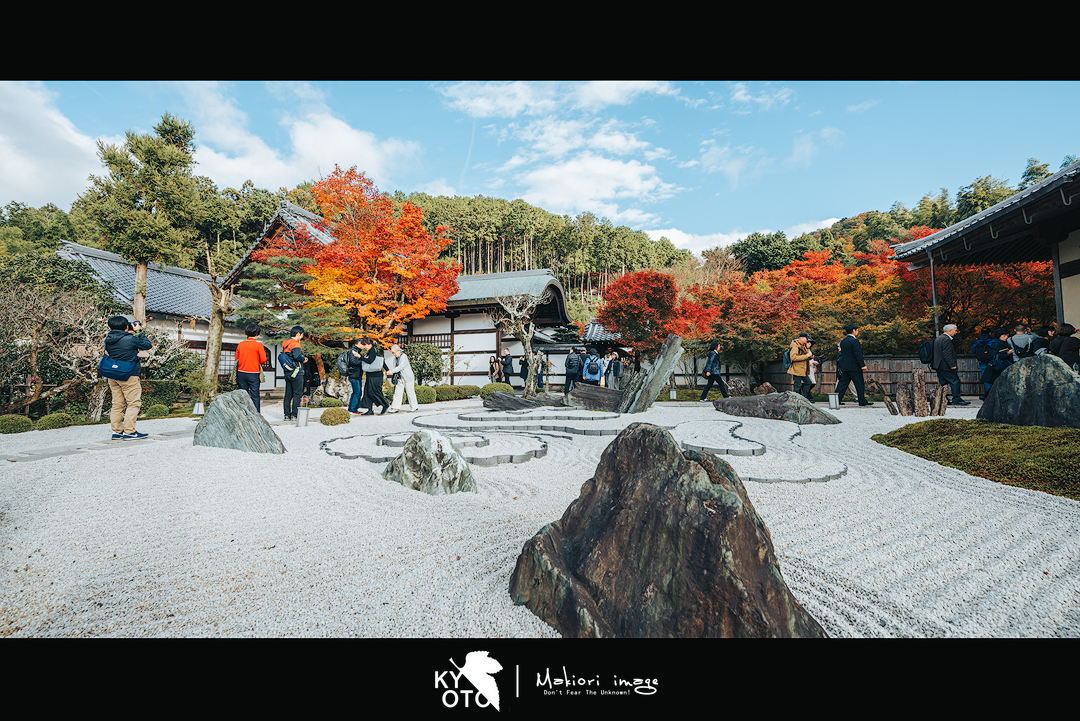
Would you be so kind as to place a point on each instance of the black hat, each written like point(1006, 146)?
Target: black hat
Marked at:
point(806, 336)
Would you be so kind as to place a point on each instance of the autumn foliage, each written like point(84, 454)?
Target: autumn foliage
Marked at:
point(383, 267)
point(641, 307)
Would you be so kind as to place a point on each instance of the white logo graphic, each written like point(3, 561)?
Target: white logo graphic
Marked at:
point(478, 669)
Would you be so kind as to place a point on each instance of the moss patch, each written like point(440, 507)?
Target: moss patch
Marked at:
point(1033, 457)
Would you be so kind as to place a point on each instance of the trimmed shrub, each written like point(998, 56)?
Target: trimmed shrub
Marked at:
point(15, 424)
point(468, 391)
point(330, 403)
point(334, 416)
point(425, 394)
point(492, 387)
point(160, 392)
point(56, 420)
point(157, 411)
point(445, 393)
point(426, 361)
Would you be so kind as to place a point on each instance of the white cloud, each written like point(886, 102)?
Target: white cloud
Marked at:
point(551, 136)
point(593, 96)
point(803, 149)
point(808, 227)
point(592, 182)
point(438, 187)
point(764, 99)
point(230, 153)
point(863, 106)
point(693, 242)
point(732, 162)
point(504, 100)
point(43, 156)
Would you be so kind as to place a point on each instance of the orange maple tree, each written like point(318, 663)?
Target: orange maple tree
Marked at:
point(383, 267)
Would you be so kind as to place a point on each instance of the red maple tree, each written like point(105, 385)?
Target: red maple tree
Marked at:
point(384, 266)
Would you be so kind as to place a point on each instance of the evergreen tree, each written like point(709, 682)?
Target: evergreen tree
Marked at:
point(148, 204)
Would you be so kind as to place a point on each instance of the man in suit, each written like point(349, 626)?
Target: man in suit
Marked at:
point(944, 363)
point(850, 366)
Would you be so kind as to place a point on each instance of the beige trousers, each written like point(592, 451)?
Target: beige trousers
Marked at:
point(126, 402)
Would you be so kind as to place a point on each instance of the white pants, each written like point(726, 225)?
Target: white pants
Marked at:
point(403, 385)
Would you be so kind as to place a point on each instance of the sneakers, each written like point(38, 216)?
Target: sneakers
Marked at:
point(117, 436)
point(134, 436)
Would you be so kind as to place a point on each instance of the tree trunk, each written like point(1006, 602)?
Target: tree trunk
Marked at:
point(213, 340)
point(138, 303)
point(97, 400)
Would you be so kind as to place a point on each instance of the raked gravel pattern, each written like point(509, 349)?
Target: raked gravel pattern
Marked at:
point(162, 538)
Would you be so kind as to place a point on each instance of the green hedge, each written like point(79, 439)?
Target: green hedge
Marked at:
point(334, 416)
point(165, 393)
point(15, 424)
point(492, 387)
point(330, 403)
point(56, 420)
point(425, 394)
point(157, 411)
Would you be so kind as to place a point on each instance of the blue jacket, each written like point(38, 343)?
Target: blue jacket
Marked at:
point(712, 363)
point(123, 346)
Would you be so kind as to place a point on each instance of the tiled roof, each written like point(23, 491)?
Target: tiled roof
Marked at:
point(168, 290)
point(485, 286)
point(596, 333)
point(291, 216)
point(1036, 192)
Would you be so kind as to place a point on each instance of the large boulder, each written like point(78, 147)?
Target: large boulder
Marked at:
point(595, 398)
point(430, 462)
point(549, 399)
point(643, 388)
point(231, 421)
point(503, 401)
point(1037, 391)
point(737, 387)
point(785, 406)
point(764, 389)
point(661, 543)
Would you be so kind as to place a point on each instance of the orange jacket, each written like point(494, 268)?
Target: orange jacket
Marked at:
point(249, 356)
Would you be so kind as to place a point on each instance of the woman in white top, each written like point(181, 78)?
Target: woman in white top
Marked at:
point(400, 365)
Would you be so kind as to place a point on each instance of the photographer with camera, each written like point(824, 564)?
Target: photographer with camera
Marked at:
point(126, 343)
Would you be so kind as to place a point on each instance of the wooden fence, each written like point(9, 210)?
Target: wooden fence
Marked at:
point(887, 370)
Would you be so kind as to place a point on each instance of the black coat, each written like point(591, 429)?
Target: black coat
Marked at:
point(944, 353)
point(851, 358)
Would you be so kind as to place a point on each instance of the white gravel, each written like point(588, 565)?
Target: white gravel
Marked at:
point(161, 538)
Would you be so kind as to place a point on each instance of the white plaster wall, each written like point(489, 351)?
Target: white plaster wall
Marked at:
point(435, 324)
point(1069, 249)
point(471, 342)
point(473, 321)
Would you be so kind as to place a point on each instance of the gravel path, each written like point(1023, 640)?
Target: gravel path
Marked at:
point(161, 538)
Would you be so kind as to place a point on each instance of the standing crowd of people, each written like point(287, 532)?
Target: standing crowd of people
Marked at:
point(366, 367)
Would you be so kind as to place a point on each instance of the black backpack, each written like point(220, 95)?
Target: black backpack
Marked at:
point(926, 352)
point(343, 363)
point(787, 359)
point(1025, 351)
point(981, 350)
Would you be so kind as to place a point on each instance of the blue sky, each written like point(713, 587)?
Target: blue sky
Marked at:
point(704, 163)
